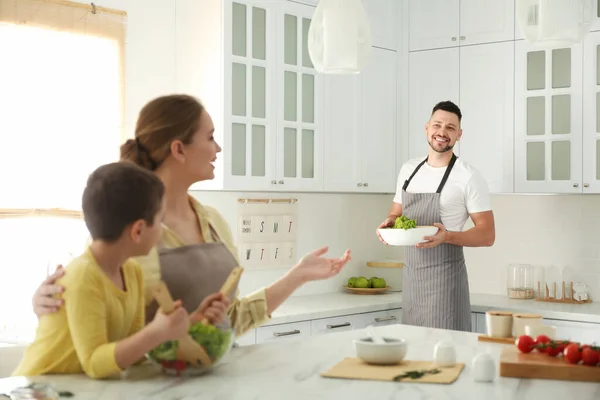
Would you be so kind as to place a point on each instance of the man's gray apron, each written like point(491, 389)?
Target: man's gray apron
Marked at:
point(193, 272)
point(435, 287)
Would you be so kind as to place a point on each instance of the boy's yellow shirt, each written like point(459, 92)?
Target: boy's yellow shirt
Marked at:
point(82, 335)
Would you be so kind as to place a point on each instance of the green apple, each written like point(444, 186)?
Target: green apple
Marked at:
point(351, 281)
point(361, 283)
point(379, 283)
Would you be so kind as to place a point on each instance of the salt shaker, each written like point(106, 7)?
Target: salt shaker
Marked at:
point(484, 369)
point(444, 354)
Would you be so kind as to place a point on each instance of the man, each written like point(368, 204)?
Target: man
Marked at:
point(443, 191)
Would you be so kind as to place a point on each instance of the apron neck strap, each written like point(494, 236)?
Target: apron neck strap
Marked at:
point(444, 179)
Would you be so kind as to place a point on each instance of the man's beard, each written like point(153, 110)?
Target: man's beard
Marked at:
point(448, 147)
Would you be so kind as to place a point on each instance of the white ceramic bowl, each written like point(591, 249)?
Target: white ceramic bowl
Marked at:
point(391, 352)
point(408, 237)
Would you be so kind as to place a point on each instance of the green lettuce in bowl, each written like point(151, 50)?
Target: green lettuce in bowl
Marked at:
point(216, 341)
point(402, 222)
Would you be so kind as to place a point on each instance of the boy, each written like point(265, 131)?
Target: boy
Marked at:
point(100, 329)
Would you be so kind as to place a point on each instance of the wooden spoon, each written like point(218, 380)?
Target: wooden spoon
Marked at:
point(188, 349)
point(231, 282)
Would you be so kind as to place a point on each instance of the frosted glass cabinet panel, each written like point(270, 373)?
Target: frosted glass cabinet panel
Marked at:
point(252, 116)
point(298, 131)
point(591, 114)
point(548, 126)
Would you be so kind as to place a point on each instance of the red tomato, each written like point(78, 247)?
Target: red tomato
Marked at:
point(552, 349)
point(572, 353)
point(525, 343)
point(541, 341)
point(590, 356)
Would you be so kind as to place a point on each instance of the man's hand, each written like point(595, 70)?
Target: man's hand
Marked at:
point(435, 240)
point(389, 221)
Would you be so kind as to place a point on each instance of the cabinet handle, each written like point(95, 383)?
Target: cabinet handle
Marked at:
point(392, 318)
point(339, 325)
point(279, 334)
point(359, 184)
point(586, 185)
point(462, 38)
point(365, 184)
point(274, 182)
point(454, 38)
point(575, 185)
point(281, 182)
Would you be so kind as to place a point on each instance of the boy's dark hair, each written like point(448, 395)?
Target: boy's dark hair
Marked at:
point(448, 106)
point(117, 195)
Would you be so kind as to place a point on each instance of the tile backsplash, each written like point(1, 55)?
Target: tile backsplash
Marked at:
point(542, 230)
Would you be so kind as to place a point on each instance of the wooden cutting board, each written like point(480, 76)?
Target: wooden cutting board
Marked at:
point(534, 365)
point(354, 368)
point(486, 338)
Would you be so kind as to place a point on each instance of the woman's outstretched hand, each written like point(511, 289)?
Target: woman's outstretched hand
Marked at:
point(314, 266)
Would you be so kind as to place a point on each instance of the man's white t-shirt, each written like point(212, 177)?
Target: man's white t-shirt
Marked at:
point(466, 191)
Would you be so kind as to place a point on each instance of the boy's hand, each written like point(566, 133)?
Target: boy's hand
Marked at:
point(214, 307)
point(173, 326)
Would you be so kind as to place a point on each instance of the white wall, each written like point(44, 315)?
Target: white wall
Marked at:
point(542, 230)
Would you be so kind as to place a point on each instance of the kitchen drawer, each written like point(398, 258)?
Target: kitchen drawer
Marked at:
point(381, 318)
point(335, 324)
point(282, 331)
point(248, 339)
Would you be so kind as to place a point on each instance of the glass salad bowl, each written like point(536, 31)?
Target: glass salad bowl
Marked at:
point(216, 341)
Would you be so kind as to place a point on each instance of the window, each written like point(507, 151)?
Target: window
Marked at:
point(61, 116)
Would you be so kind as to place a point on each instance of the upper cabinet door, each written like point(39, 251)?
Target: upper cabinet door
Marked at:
point(591, 113)
point(342, 135)
point(434, 24)
point(383, 18)
point(434, 77)
point(548, 119)
point(486, 21)
point(299, 128)
point(250, 116)
point(378, 122)
point(487, 104)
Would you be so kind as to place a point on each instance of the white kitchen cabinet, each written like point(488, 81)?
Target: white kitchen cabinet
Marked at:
point(451, 23)
point(381, 318)
point(548, 119)
point(383, 18)
point(591, 114)
point(433, 77)
point(582, 332)
point(299, 105)
point(271, 333)
point(361, 127)
point(335, 324)
point(256, 79)
point(487, 103)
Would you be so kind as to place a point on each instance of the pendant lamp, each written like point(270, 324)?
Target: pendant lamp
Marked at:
point(554, 23)
point(339, 37)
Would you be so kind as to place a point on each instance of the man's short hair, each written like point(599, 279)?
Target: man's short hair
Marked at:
point(117, 195)
point(448, 106)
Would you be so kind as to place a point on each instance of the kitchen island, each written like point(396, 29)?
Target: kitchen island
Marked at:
point(289, 369)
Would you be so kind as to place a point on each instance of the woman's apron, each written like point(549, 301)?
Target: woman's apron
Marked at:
point(435, 287)
point(193, 272)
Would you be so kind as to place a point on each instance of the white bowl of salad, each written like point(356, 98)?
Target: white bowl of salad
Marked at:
point(216, 341)
point(406, 232)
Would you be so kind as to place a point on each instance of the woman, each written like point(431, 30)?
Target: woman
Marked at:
point(174, 138)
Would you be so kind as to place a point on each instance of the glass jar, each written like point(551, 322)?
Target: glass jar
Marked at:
point(520, 281)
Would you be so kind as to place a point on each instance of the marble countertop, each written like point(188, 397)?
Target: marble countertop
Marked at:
point(301, 308)
point(291, 369)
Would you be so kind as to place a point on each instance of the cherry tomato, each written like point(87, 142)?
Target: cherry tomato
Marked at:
point(590, 356)
point(525, 343)
point(541, 341)
point(552, 350)
point(562, 344)
point(572, 353)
